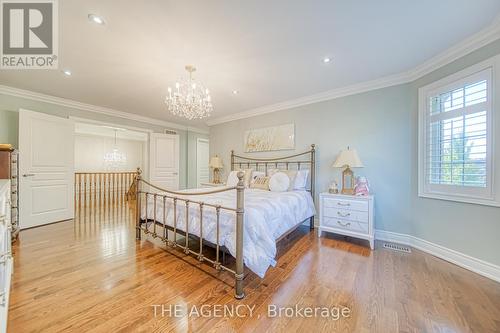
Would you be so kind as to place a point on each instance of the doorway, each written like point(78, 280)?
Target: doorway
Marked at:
point(202, 161)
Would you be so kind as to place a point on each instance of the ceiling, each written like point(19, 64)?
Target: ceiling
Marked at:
point(270, 51)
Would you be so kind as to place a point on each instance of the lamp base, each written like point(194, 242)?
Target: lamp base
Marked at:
point(348, 192)
point(347, 182)
point(216, 178)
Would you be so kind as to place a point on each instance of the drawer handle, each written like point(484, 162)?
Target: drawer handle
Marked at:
point(3, 298)
point(344, 225)
point(343, 215)
point(343, 204)
point(4, 257)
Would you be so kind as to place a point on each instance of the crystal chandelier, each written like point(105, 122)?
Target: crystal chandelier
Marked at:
point(189, 99)
point(115, 159)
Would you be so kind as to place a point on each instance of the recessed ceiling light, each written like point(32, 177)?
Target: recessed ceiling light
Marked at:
point(67, 72)
point(326, 60)
point(96, 19)
point(235, 92)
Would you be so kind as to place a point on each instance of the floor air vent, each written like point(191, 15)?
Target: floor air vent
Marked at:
point(397, 247)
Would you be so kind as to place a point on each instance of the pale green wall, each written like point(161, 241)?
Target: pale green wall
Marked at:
point(382, 125)
point(376, 123)
point(8, 127)
point(9, 116)
point(467, 228)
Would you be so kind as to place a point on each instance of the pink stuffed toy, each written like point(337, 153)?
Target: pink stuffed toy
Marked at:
point(361, 187)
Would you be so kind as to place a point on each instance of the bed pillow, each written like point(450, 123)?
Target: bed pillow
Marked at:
point(261, 182)
point(292, 174)
point(232, 178)
point(271, 172)
point(301, 180)
point(257, 174)
point(279, 182)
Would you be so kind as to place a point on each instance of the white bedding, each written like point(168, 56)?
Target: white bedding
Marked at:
point(268, 215)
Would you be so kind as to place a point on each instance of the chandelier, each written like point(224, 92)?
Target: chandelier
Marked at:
point(189, 99)
point(115, 159)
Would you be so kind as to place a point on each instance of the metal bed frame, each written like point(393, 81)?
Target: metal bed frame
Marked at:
point(237, 161)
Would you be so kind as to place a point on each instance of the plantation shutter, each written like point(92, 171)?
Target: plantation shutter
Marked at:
point(457, 133)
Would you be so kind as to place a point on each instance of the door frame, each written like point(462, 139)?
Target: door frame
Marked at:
point(198, 140)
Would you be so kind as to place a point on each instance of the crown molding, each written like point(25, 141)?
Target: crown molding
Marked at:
point(16, 92)
point(311, 99)
point(468, 45)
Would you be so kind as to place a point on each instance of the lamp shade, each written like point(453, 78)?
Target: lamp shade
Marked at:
point(216, 162)
point(348, 157)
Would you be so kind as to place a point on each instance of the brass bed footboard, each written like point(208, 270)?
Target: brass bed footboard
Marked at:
point(175, 197)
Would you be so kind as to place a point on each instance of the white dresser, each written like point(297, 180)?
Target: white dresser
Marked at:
point(6, 261)
point(347, 215)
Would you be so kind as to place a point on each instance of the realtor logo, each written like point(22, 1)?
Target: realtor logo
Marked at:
point(29, 38)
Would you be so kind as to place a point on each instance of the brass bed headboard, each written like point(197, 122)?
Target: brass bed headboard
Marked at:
point(183, 201)
point(291, 162)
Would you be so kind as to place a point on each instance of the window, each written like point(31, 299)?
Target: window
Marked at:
point(455, 142)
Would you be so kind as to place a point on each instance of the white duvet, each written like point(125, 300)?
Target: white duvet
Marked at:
point(268, 215)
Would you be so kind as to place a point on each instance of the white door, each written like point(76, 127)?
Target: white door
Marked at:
point(202, 159)
point(164, 160)
point(46, 169)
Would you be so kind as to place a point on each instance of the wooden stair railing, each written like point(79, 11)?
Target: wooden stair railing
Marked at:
point(104, 187)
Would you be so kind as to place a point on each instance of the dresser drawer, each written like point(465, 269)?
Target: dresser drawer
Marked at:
point(5, 281)
point(346, 214)
point(346, 204)
point(5, 240)
point(345, 224)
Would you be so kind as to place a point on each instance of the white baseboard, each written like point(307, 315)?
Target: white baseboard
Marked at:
point(475, 265)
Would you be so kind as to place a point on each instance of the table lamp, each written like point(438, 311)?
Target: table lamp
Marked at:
point(216, 164)
point(348, 159)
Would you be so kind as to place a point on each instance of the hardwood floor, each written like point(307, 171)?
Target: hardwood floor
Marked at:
point(91, 275)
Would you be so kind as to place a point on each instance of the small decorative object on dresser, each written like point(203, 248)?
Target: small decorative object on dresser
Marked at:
point(348, 159)
point(347, 215)
point(362, 186)
point(216, 164)
point(334, 187)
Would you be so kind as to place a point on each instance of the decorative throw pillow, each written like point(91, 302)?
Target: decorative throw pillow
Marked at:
point(261, 182)
point(271, 172)
point(301, 180)
point(290, 173)
point(232, 178)
point(257, 174)
point(248, 176)
point(279, 182)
